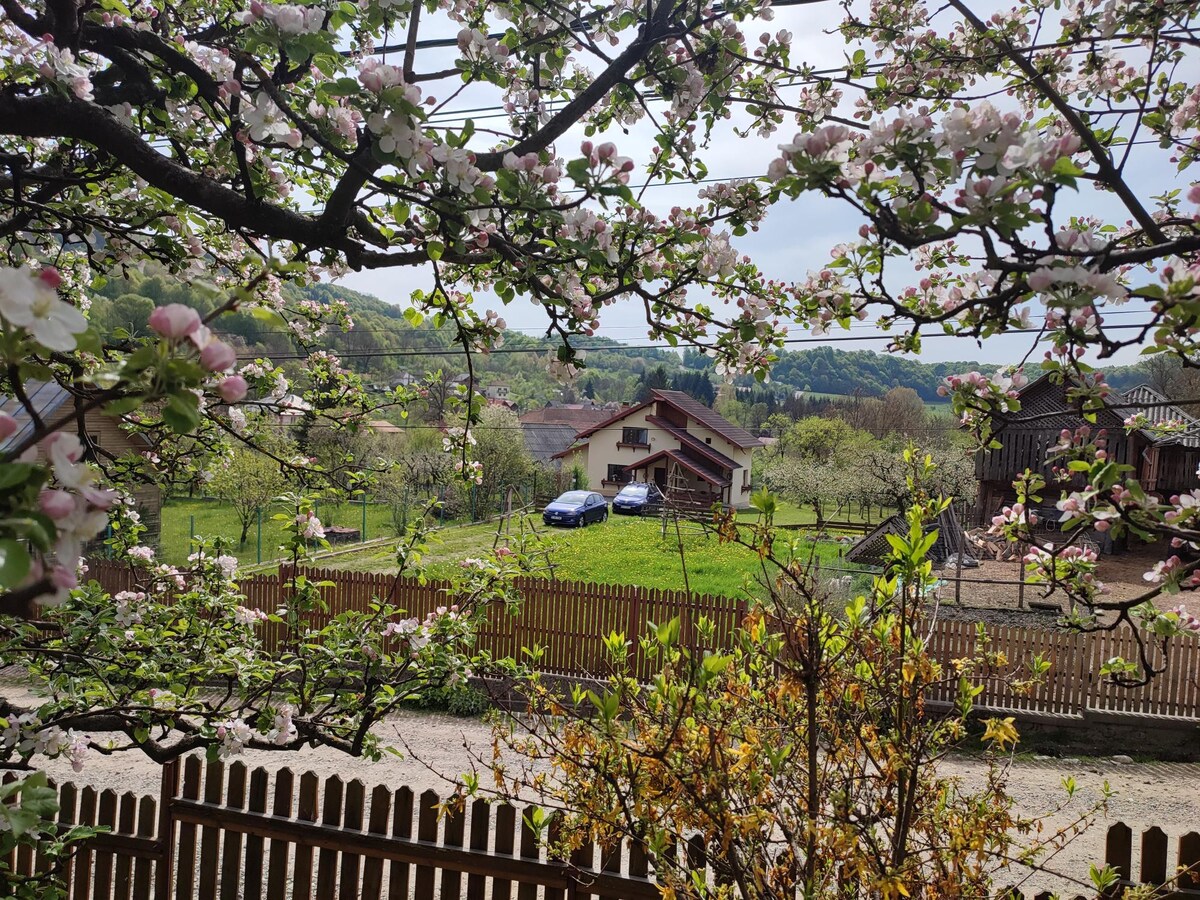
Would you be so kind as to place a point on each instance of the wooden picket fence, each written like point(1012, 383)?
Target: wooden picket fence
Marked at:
point(232, 832)
point(570, 619)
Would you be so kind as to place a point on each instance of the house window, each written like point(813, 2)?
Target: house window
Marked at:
point(635, 436)
point(617, 474)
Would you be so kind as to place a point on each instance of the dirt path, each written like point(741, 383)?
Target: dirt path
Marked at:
point(1167, 795)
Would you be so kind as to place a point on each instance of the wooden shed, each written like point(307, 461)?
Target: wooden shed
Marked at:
point(1163, 463)
point(103, 437)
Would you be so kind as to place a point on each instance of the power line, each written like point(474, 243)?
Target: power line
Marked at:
point(826, 339)
point(540, 332)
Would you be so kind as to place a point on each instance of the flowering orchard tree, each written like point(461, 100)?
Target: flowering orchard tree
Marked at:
point(1004, 169)
point(800, 758)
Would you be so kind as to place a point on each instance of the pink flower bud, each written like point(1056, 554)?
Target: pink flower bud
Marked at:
point(174, 320)
point(232, 389)
point(56, 504)
point(50, 277)
point(8, 426)
point(218, 357)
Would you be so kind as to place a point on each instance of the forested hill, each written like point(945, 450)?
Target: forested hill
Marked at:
point(827, 370)
point(383, 344)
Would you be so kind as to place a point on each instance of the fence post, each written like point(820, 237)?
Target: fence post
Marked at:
point(164, 872)
point(958, 575)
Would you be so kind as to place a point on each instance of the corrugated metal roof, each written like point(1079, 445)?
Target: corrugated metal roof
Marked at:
point(874, 549)
point(1159, 409)
point(543, 440)
point(701, 413)
point(1044, 407)
point(45, 396)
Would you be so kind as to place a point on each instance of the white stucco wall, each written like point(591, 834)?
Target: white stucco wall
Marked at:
point(603, 450)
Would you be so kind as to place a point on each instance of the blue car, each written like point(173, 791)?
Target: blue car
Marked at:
point(576, 509)
point(638, 498)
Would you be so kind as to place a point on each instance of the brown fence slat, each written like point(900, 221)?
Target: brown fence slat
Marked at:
point(256, 802)
point(281, 806)
point(381, 806)
point(231, 851)
point(506, 832)
point(481, 816)
point(147, 827)
point(123, 870)
point(527, 890)
point(1189, 861)
point(306, 811)
point(331, 814)
point(352, 821)
point(427, 830)
point(82, 866)
point(453, 832)
point(402, 823)
point(553, 838)
point(107, 816)
point(210, 835)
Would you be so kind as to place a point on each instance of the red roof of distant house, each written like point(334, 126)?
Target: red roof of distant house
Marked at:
point(577, 415)
point(739, 437)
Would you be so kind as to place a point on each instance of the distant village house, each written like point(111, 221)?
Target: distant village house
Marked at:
point(672, 440)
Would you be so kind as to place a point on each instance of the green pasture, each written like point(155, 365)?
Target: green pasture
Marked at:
point(183, 519)
point(619, 551)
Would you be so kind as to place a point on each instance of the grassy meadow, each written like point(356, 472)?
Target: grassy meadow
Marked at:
point(619, 551)
point(212, 518)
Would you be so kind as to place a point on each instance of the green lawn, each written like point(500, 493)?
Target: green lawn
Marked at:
point(789, 514)
point(212, 518)
point(619, 551)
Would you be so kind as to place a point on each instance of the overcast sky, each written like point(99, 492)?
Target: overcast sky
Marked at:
point(795, 238)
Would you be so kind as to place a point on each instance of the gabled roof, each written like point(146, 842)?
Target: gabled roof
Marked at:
point(621, 414)
point(1044, 407)
point(693, 465)
point(739, 437)
point(1159, 409)
point(694, 443)
point(46, 398)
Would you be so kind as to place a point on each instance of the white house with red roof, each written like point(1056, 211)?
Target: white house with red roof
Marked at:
point(673, 441)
